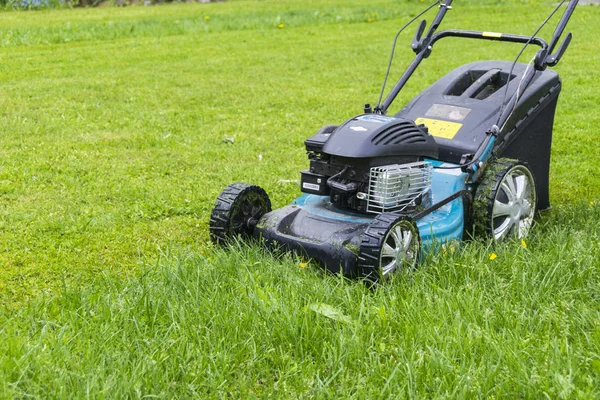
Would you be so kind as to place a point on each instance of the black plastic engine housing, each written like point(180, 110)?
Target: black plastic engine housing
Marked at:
point(370, 136)
point(341, 157)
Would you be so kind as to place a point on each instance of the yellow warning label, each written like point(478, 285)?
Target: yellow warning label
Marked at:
point(491, 34)
point(443, 129)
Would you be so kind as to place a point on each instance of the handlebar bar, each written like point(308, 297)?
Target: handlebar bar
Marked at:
point(422, 46)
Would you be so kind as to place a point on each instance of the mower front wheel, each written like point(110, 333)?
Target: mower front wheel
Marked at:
point(390, 244)
point(236, 212)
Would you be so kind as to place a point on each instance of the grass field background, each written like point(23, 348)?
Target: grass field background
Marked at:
point(116, 131)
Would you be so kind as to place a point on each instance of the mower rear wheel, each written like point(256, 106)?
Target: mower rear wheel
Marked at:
point(236, 212)
point(505, 201)
point(390, 244)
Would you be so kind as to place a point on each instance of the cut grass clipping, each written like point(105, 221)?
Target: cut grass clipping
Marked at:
point(121, 126)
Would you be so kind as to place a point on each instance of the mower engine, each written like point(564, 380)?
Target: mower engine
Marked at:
point(371, 164)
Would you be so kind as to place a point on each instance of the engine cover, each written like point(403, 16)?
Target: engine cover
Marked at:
point(370, 135)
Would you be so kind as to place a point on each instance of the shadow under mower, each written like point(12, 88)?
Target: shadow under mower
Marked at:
point(471, 152)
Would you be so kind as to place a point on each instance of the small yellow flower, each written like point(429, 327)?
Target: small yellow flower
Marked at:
point(523, 244)
point(369, 20)
point(280, 26)
point(206, 17)
point(373, 15)
point(493, 256)
point(303, 265)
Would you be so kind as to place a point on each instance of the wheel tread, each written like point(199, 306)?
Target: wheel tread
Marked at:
point(371, 244)
point(220, 218)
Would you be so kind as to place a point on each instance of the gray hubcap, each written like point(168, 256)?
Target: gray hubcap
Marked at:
point(399, 248)
point(514, 206)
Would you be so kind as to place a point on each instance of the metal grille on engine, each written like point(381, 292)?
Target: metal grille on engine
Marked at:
point(395, 187)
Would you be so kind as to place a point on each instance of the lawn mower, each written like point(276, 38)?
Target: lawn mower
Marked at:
point(469, 156)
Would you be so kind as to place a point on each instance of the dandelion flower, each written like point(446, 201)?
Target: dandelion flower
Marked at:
point(206, 17)
point(369, 20)
point(280, 26)
point(493, 256)
point(303, 265)
point(523, 244)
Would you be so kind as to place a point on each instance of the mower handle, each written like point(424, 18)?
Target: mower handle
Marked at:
point(496, 36)
point(552, 59)
point(420, 43)
point(562, 24)
point(421, 46)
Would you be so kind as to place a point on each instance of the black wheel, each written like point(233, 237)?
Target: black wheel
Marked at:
point(390, 244)
point(236, 212)
point(505, 201)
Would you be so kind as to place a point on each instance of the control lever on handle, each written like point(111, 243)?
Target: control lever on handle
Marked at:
point(553, 59)
point(417, 46)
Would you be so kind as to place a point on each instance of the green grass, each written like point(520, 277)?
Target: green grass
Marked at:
point(112, 154)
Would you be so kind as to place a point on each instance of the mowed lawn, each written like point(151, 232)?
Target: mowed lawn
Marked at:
point(119, 128)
